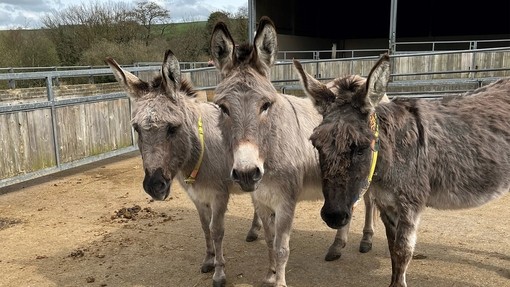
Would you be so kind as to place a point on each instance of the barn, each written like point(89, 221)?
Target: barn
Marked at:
point(385, 24)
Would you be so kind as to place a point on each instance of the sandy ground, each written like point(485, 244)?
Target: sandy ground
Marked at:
point(95, 226)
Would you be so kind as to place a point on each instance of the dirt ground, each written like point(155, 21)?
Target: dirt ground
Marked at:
point(95, 226)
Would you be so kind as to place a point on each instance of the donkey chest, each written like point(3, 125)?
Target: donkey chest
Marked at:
point(274, 194)
point(384, 197)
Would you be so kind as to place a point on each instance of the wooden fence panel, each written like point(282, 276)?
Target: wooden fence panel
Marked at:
point(26, 143)
point(91, 129)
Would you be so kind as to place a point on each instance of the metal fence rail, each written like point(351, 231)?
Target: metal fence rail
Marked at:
point(285, 83)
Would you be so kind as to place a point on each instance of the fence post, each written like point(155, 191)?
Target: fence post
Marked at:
point(12, 82)
point(91, 77)
point(473, 65)
point(57, 79)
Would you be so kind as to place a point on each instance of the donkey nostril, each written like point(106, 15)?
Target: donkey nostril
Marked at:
point(257, 174)
point(235, 175)
point(159, 185)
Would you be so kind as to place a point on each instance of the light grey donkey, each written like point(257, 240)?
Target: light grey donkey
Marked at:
point(267, 137)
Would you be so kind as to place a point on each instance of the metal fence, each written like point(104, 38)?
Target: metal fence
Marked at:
point(462, 70)
point(52, 103)
point(24, 70)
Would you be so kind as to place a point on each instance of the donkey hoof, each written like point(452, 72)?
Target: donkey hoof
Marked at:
point(251, 237)
point(332, 256)
point(220, 283)
point(206, 268)
point(364, 247)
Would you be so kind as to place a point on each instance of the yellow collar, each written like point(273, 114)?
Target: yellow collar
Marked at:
point(374, 146)
point(191, 178)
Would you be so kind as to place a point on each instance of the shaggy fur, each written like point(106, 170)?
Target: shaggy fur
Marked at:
point(448, 153)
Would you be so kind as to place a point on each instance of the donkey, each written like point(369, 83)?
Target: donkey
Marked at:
point(448, 153)
point(178, 138)
point(267, 136)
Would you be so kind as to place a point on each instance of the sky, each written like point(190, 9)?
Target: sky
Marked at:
point(26, 14)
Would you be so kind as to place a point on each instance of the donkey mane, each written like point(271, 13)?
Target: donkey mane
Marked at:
point(156, 83)
point(246, 55)
point(349, 83)
point(243, 52)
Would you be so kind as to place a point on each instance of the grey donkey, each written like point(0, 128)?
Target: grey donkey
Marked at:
point(178, 138)
point(267, 137)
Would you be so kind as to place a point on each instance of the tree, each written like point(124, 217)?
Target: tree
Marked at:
point(147, 14)
point(238, 25)
point(186, 45)
point(75, 29)
point(31, 48)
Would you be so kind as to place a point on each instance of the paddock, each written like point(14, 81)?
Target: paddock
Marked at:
point(95, 226)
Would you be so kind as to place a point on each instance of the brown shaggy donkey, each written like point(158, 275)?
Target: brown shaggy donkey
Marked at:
point(448, 153)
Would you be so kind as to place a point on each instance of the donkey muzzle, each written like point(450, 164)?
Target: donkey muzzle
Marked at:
point(247, 178)
point(156, 185)
point(335, 218)
point(248, 168)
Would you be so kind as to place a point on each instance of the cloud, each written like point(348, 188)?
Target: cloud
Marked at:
point(16, 14)
point(22, 13)
point(194, 10)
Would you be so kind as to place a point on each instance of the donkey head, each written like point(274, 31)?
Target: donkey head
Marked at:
point(345, 139)
point(160, 119)
point(246, 97)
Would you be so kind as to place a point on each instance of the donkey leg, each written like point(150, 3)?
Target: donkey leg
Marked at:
point(204, 213)
point(267, 217)
point(368, 230)
point(219, 208)
point(401, 236)
point(389, 218)
point(405, 240)
point(335, 250)
point(256, 224)
point(284, 216)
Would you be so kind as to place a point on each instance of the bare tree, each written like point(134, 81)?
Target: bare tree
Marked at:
point(74, 29)
point(147, 14)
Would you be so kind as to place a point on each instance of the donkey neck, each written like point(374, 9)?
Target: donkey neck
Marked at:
point(205, 112)
point(401, 132)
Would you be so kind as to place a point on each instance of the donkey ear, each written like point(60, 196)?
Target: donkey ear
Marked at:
point(319, 93)
point(131, 83)
point(222, 48)
point(266, 41)
point(171, 73)
point(377, 80)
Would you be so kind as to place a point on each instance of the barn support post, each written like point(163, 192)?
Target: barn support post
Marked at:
point(251, 20)
point(393, 27)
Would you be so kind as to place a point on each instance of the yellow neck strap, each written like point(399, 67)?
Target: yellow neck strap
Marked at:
point(191, 178)
point(374, 146)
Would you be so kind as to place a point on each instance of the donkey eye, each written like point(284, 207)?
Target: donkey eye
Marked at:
point(265, 107)
point(224, 110)
point(357, 150)
point(360, 150)
point(171, 129)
